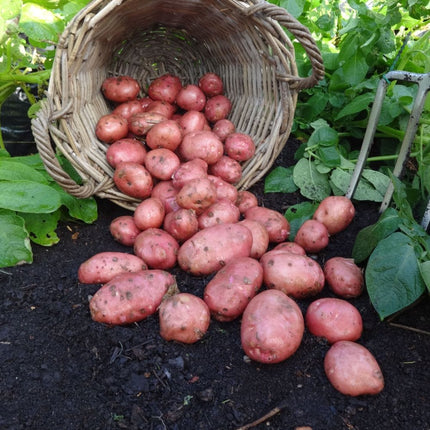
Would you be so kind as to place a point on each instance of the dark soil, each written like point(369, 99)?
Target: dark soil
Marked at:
point(61, 370)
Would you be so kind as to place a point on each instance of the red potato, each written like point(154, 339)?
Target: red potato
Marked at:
point(312, 236)
point(276, 224)
point(111, 127)
point(221, 212)
point(126, 150)
point(140, 123)
point(344, 277)
point(260, 237)
point(214, 247)
point(228, 293)
point(162, 163)
point(353, 370)
point(217, 107)
point(224, 190)
point(120, 89)
point(181, 224)
point(298, 276)
point(211, 84)
point(166, 192)
point(149, 213)
point(293, 247)
point(191, 97)
point(197, 194)
point(133, 179)
point(184, 318)
point(145, 102)
point(128, 109)
point(245, 200)
point(192, 169)
point(162, 107)
point(227, 169)
point(272, 327)
point(239, 146)
point(157, 248)
point(201, 144)
point(336, 213)
point(334, 319)
point(223, 128)
point(124, 230)
point(131, 297)
point(165, 87)
point(104, 266)
point(192, 120)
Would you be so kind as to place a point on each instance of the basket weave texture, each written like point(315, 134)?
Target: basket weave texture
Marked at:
point(242, 41)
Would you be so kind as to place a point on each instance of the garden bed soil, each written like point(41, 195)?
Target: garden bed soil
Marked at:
point(61, 370)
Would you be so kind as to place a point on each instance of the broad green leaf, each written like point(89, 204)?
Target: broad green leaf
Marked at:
point(27, 196)
point(312, 184)
point(367, 238)
point(10, 170)
point(359, 104)
point(355, 69)
point(42, 227)
point(393, 275)
point(329, 155)
point(298, 214)
point(378, 179)
point(425, 273)
point(10, 8)
point(324, 136)
point(294, 7)
point(15, 245)
point(280, 180)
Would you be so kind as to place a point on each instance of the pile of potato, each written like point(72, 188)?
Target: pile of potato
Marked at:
point(176, 150)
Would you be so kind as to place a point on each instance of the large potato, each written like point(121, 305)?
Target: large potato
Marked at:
point(228, 293)
point(214, 247)
point(133, 179)
point(124, 230)
point(344, 277)
point(312, 236)
point(131, 297)
point(260, 237)
point(298, 276)
point(276, 224)
point(272, 327)
point(353, 370)
point(181, 224)
point(335, 212)
point(221, 212)
point(102, 267)
point(197, 194)
point(201, 144)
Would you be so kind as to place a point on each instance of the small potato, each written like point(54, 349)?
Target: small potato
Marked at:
point(133, 179)
point(197, 194)
point(228, 293)
point(211, 84)
point(224, 190)
point(191, 97)
point(239, 146)
point(111, 127)
point(227, 169)
point(344, 277)
point(298, 276)
point(120, 89)
point(149, 213)
point(221, 212)
point(260, 237)
point(140, 123)
point(166, 192)
point(184, 318)
point(157, 248)
point(128, 109)
point(166, 134)
point(192, 169)
point(181, 224)
point(223, 128)
point(192, 121)
point(160, 106)
point(336, 213)
point(162, 163)
point(102, 267)
point(124, 230)
point(131, 297)
point(293, 247)
point(165, 87)
point(276, 224)
point(272, 327)
point(353, 370)
point(334, 319)
point(312, 236)
point(217, 107)
point(126, 150)
point(214, 247)
point(245, 200)
point(201, 144)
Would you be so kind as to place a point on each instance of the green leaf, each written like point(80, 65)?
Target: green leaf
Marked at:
point(298, 214)
point(367, 238)
point(425, 273)
point(294, 7)
point(324, 136)
point(27, 196)
point(329, 156)
point(11, 170)
point(15, 245)
point(42, 227)
point(358, 104)
point(355, 68)
point(393, 276)
point(10, 8)
point(280, 180)
point(312, 184)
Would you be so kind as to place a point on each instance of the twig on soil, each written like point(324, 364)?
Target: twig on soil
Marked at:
point(270, 414)
point(406, 327)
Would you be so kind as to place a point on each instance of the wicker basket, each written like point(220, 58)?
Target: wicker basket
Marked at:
point(242, 41)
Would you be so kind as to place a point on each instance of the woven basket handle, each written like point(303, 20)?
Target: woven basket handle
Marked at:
point(302, 34)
